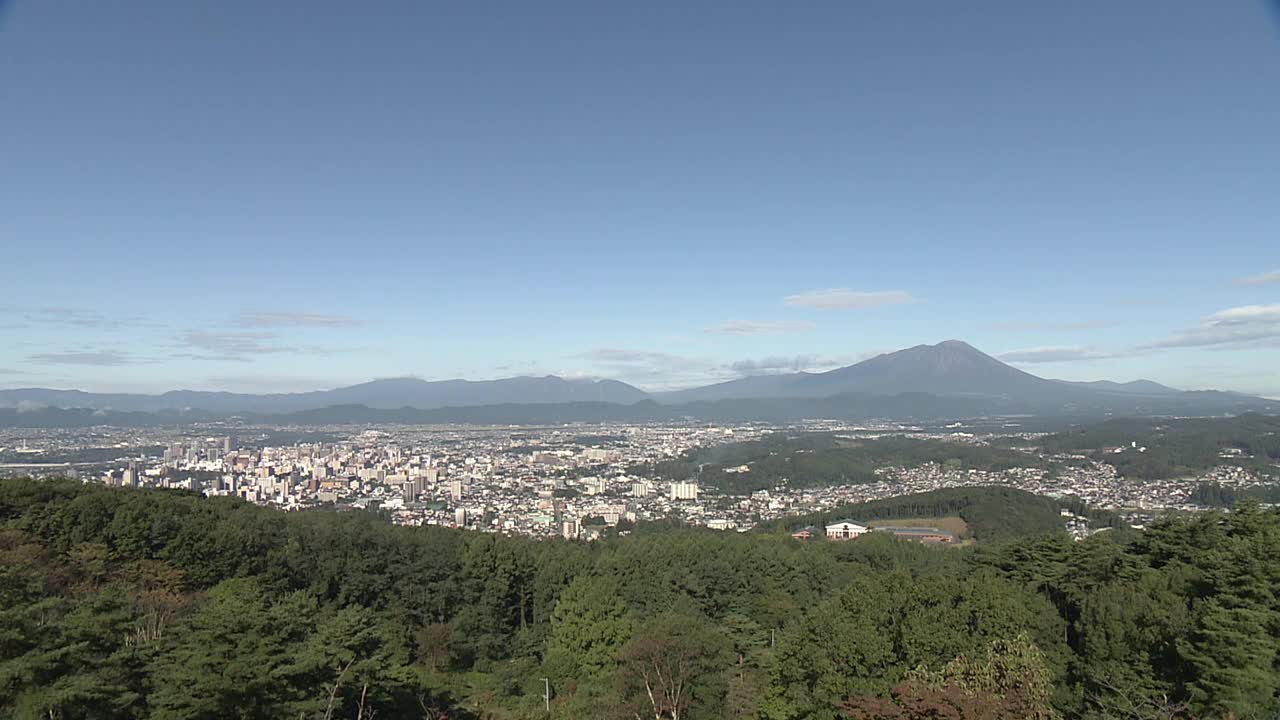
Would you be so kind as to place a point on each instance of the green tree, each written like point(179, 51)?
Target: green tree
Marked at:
point(358, 661)
point(589, 626)
point(1232, 660)
point(1127, 658)
point(843, 648)
point(227, 659)
point(674, 668)
point(1008, 681)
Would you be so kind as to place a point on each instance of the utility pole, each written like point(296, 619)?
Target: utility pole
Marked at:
point(546, 693)
point(773, 638)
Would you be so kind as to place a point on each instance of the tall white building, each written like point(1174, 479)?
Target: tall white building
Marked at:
point(687, 490)
point(569, 528)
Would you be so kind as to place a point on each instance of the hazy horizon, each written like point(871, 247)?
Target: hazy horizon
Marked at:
point(588, 378)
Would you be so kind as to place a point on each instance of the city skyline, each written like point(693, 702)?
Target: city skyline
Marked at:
point(676, 197)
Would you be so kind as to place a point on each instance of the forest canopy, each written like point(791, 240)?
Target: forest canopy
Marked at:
point(991, 513)
point(821, 459)
point(1155, 449)
point(121, 603)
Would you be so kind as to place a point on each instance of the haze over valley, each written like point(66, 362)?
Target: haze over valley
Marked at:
point(949, 379)
point(565, 360)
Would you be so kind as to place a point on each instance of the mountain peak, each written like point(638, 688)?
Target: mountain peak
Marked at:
point(943, 357)
point(946, 348)
point(951, 367)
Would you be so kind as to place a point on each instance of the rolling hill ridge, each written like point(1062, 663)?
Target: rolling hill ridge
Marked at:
point(948, 379)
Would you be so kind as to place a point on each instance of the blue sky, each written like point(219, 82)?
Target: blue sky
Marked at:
point(289, 195)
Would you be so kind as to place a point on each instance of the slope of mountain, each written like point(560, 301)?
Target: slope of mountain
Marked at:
point(951, 367)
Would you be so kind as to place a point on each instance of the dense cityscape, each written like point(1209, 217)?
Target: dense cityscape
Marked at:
point(568, 481)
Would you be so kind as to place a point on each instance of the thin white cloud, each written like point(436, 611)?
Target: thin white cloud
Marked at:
point(1265, 278)
point(760, 327)
point(68, 316)
point(1242, 326)
point(774, 365)
point(621, 355)
point(262, 319)
point(242, 346)
point(270, 383)
point(651, 369)
point(778, 364)
point(1246, 315)
point(658, 371)
point(234, 344)
point(257, 333)
point(55, 316)
point(1055, 353)
point(104, 358)
point(846, 299)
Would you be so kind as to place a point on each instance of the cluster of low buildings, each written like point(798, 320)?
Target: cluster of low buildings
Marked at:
point(574, 481)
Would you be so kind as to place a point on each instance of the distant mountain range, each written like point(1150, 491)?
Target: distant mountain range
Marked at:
point(1136, 387)
point(378, 394)
point(951, 379)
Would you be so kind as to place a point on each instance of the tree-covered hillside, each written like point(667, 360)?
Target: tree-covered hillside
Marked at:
point(1156, 449)
point(118, 603)
point(819, 459)
point(992, 513)
point(1217, 495)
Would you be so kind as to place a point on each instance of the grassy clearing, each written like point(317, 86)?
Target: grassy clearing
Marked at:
point(952, 524)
